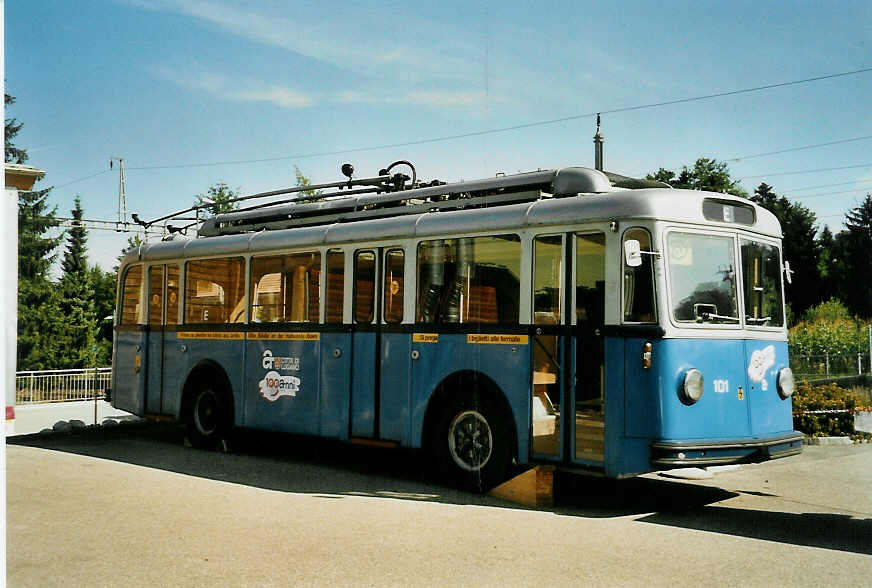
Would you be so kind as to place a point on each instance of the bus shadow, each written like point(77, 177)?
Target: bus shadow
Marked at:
point(290, 463)
point(824, 530)
point(334, 470)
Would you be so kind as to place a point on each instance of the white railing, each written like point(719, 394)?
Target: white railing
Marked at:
point(61, 385)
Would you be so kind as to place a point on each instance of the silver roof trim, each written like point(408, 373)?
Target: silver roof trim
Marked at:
point(668, 205)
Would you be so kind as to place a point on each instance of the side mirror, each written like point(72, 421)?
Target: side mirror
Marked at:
point(632, 253)
point(788, 273)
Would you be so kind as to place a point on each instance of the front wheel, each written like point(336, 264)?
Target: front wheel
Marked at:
point(208, 418)
point(472, 444)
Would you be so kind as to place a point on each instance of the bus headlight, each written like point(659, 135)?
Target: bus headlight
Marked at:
point(785, 383)
point(693, 386)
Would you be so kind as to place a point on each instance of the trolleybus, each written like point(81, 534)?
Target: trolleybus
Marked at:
point(567, 316)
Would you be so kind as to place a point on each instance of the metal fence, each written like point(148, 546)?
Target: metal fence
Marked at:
point(61, 385)
point(830, 364)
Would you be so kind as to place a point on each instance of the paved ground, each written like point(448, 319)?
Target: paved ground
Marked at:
point(33, 418)
point(132, 506)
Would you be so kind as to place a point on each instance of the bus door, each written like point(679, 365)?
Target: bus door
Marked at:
point(128, 362)
point(163, 315)
point(567, 405)
point(587, 348)
point(336, 351)
point(395, 360)
point(380, 363)
point(365, 343)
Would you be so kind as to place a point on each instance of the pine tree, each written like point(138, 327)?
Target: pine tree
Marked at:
point(827, 268)
point(104, 284)
point(13, 153)
point(75, 258)
point(858, 257)
point(38, 312)
point(78, 335)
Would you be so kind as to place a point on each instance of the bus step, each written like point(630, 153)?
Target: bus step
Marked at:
point(374, 442)
point(534, 488)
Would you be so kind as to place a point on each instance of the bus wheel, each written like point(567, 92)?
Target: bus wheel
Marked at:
point(472, 445)
point(207, 417)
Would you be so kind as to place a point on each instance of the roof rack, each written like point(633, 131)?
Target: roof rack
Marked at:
point(389, 195)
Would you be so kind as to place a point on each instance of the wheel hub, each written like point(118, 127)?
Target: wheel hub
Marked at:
point(206, 412)
point(470, 440)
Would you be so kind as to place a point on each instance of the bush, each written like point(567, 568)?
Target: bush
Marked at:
point(830, 310)
point(829, 397)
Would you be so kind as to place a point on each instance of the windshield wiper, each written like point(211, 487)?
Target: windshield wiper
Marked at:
point(710, 316)
point(758, 320)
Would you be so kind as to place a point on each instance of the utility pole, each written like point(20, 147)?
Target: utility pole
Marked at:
point(598, 141)
point(122, 194)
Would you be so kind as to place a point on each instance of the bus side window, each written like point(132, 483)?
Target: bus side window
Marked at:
point(172, 295)
point(364, 286)
point(335, 286)
point(469, 280)
point(638, 300)
point(132, 292)
point(393, 287)
point(155, 295)
point(215, 291)
point(547, 270)
point(286, 288)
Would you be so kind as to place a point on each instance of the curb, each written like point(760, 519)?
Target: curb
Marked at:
point(827, 441)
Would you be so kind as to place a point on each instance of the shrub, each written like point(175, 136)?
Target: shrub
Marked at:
point(828, 397)
point(830, 310)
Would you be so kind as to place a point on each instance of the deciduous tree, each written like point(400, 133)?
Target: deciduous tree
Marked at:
point(706, 174)
point(218, 198)
point(799, 247)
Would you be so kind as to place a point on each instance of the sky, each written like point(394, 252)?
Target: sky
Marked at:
point(194, 92)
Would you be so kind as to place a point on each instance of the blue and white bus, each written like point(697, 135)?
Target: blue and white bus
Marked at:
point(567, 317)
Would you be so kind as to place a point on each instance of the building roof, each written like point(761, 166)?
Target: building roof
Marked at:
point(22, 177)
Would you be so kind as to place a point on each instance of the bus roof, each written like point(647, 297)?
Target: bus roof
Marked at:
point(683, 206)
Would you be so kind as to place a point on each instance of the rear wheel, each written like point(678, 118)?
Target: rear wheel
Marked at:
point(472, 443)
point(208, 417)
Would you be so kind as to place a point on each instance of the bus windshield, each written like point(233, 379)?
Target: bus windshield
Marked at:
point(702, 277)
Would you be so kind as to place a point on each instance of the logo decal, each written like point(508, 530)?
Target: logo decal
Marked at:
point(761, 360)
point(280, 363)
point(274, 385)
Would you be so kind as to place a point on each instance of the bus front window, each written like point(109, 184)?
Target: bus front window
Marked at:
point(638, 298)
point(761, 272)
point(702, 277)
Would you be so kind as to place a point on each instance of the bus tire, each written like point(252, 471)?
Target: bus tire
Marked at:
point(471, 443)
point(208, 417)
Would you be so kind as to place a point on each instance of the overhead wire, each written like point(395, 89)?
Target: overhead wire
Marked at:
point(806, 171)
point(801, 148)
point(100, 173)
point(547, 122)
point(513, 127)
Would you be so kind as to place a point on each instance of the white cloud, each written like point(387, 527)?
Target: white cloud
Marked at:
point(220, 86)
point(351, 47)
point(430, 98)
point(448, 69)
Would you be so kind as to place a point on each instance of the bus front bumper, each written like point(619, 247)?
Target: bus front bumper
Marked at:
point(672, 454)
